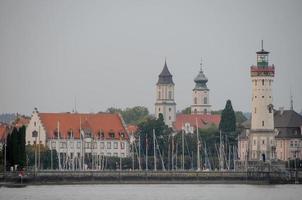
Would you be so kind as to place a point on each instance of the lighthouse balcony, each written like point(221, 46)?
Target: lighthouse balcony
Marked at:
point(263, 71)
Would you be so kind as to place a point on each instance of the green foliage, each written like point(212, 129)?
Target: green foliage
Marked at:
point(15, 151)
point(45, 157)
point(186, 110)
point(161, 132)
point(228, 119)
point(133, 115)
point(238, 114)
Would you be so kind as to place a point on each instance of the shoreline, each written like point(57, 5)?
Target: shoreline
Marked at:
point(148, 177)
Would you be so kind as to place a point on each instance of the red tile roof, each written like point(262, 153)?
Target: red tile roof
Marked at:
point(72, 122)
point(203, 120)
point(132, 128)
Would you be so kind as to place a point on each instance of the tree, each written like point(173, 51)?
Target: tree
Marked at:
point(228, 119)
point(16, 148)
point(162, 132)
point(186, 110)
point(133, 115)
point(46, 157)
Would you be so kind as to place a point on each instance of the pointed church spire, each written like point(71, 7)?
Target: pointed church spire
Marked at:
point(165, 77)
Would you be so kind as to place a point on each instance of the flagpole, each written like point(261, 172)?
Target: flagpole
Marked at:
point(58, 128)
point(139, 152)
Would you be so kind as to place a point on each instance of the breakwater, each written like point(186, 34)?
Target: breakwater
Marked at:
point(151, 177)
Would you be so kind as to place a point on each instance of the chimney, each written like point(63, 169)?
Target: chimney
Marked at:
point(281, 110)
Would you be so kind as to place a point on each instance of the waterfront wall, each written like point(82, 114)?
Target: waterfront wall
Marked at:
point(158, 177)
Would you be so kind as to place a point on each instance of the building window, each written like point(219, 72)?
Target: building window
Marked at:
point(158, 109)
point(28, 142)
point(102, 145)
point(170, 109)
point(255, 97)
point(263, 141)
point(195, 110)
point(170, 94)
point(169, 117)
point(63, 145)
point(115, 154)
point(122, 155)
point(112, 135)
point(108, 145)
point(255, 110)
point(35, 123)
point(87, 145)
point(53, 144)
point(205, 111)
point(79, 145)
point(291, 143)
point(158, 95)
point(262, 123)
point(195, 100)
point(262, 81)
point(262, 96)
point(95, 145)
point(115, 145)
point(254, 142)
point(122, 145)
point(71, 145)
point(205, 100)
point(296, 143)
point(108, 154)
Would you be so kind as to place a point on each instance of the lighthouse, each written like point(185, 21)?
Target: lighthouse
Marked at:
point(261, 138)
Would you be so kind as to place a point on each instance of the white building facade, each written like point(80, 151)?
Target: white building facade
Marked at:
point(79, 137)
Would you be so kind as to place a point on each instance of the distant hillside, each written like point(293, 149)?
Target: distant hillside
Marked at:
point(7, 117)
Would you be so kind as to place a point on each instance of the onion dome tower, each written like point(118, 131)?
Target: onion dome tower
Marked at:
point(201, 103)
point(165, 103)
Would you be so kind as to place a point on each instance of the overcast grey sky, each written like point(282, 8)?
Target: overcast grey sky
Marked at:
point(109, 53)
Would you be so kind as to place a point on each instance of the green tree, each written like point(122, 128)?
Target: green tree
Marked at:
point(46, 156)
point(133, 115)
point(162, 132)
point(228, 119)
point(186, 110)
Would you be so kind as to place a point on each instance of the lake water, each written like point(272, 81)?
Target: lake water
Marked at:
point(146, 192)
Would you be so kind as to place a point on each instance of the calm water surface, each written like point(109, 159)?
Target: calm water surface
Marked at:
point(146, 192)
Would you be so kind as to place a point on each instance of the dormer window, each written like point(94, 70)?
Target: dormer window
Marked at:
point(122, 135)
point(112, 134)
point(70, 134)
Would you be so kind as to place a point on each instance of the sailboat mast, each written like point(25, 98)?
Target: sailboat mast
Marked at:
point(154, 150)
point(183, 150)
point(198, 156)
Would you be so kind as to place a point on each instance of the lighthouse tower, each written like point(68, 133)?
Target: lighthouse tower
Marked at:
point(261, 138)
point(201, 104)
point(165, 104)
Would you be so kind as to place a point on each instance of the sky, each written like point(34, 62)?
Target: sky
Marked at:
point(103, 54)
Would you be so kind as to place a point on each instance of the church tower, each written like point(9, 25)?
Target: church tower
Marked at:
point(165, 103)
point(262, 124)
point(201, 103)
